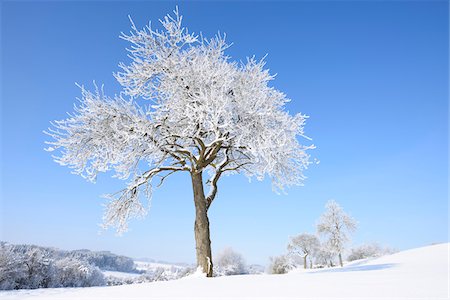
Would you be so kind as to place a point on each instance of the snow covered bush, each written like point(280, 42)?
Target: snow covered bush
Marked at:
point(255, 269)
point(368, 251)
point(75, 273)
point(229, 262)
point(279, 265)
point(164, 274)
point(114, 280)
point(156, 274)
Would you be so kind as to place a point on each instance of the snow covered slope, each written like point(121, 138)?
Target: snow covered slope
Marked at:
point(417, 273)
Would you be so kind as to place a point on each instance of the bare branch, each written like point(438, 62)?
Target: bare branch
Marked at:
point(236, 168)
point(213, 192)
point(164, 177)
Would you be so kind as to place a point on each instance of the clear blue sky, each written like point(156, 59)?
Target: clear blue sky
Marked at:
point(372, 76)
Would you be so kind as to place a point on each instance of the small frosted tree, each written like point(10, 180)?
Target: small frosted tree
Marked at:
point(279, 265)
point(204, 115)
point(335, 225)
point(304, 245)
point(230, 262)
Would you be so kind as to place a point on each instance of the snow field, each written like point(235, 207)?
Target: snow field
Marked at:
point(421, 273)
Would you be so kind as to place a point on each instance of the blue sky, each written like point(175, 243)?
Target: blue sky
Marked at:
point(372, 76)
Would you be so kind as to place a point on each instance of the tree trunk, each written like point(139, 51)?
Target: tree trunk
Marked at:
point(304, 261)
point(201, 227)
point(340, 259)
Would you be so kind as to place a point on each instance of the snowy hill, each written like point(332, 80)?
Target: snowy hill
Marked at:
point(417, 273)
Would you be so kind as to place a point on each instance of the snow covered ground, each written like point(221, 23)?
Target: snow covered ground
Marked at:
point(421, 273)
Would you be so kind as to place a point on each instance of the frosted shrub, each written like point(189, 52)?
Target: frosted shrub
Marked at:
point(158, 274)
point(75, 273)
point(162, 274)
point(367, 251)
point(229, 262)
point(279, 265)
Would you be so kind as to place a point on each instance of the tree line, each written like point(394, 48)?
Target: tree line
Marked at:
point(31, 267)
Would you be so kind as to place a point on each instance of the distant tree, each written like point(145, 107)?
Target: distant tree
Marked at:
point(229, 262)
point(335, 225)
point(75, 273)
point(32, 267)
point(12, 269)
point(368, 251)
point(105, 260)
point(279, 265)
point(255, 269)
point(303, 245)
point(206, 115)
point(325, 256)
point(39, 268)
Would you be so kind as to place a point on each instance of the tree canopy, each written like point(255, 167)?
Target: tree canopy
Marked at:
point(204, 113)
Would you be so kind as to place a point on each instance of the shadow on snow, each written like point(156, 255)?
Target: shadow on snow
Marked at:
point(357, 268)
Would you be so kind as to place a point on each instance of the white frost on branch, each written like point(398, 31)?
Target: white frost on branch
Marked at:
point(205, 113)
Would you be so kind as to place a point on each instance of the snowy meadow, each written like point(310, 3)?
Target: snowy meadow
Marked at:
point(413, 274)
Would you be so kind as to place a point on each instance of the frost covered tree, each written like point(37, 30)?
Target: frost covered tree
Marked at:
point(335, 225)
point(32, 267)
point(304, 245)
point(72, 272)
point(105, 260)
point(185, 107)
point(12, 268)
point(39, 268)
